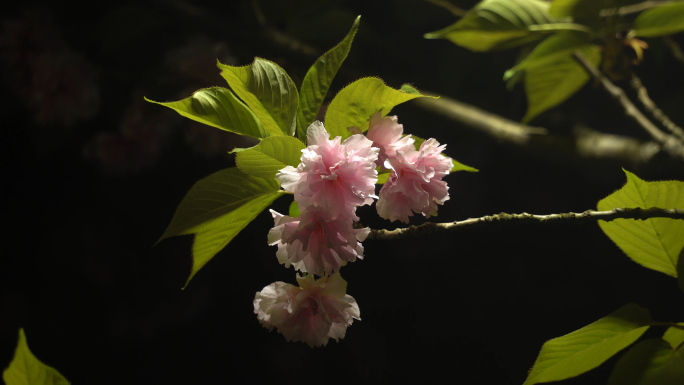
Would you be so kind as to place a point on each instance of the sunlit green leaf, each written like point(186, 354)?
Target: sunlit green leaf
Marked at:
point(653, 243)
point(674, 336)
point(26, 369)
point(219, 199)
point(270, 156)
point(294, 209)
point(383, 177)
point(680, 270)
point(355, 103)
point(318, 79)
point(650, 362)
point(585, 9)
point(585, 349)
point(553, 48)
point(217, 208)
point(268, 91)
point(457, 165)
point(502, 24)
point(664, 19)
point(218, 107)
point(552, 83)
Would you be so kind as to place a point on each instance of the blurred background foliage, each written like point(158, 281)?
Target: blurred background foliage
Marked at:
point(91, 175)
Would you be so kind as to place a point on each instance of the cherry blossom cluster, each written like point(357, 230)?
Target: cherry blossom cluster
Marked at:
point(332, 180)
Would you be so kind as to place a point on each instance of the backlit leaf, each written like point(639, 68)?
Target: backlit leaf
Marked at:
point(674, 336)
point(355, 103)
point(664, 19)
point(555, 81)
point(503, 24)
point(585, 349)
point(26, 369)
point(268, 91)
point(270, 156)
point(218, 107)
point(650, 362)
point(318, 79)
point(654, 243)
point(553, 48)
point(217, 208)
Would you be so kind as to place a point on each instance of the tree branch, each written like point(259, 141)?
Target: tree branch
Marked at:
point(456, 11)
point(652, 109)
point(584, 144)
point(525, 218)
point(633, 8)
point(670, 144)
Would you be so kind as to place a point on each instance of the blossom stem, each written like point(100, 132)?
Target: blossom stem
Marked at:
point(525, 218)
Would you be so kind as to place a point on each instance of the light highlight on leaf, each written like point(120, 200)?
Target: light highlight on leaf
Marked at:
point(585, 349)
point(218, 107)
point(270, 156)
point(318, 79)
point(653, 243)
point(26, 369)
point(268, 91)
point(355, 103)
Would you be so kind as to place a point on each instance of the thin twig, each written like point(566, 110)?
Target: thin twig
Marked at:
point(584, 144)
point(670, 144)
point(633, 8)
point(675, 49)
point(525, 218)
point(651, 107)
point(456, 11)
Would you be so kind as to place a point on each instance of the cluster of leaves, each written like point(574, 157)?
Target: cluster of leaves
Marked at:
point(264, 103)
point(605, 32)
point(656, 243)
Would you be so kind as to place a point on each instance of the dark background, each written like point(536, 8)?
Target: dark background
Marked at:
point(91, 175)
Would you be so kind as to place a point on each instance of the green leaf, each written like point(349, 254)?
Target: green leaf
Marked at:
point(554, 48)
point(680, 270)
point(585, 349)
point(552, 83)
point(26, 369)
point(503, 24)
point(355, 103)
point(318, 79)
point(674, 336)
point(585, 9)
point(294, 209)
point(457, 165)
point(650, 362)
point(268, 91)
point(217, 208)
point(218, 107)
point(270, 156)
point(219, 199)
point(383, 177)
point(653, 243)
point(665, 19)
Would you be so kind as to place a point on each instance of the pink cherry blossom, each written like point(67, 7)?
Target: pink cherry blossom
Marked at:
point(315, 243)
point(386, 135)
point(313, 313)
point(415, 184)
point(332, 175)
